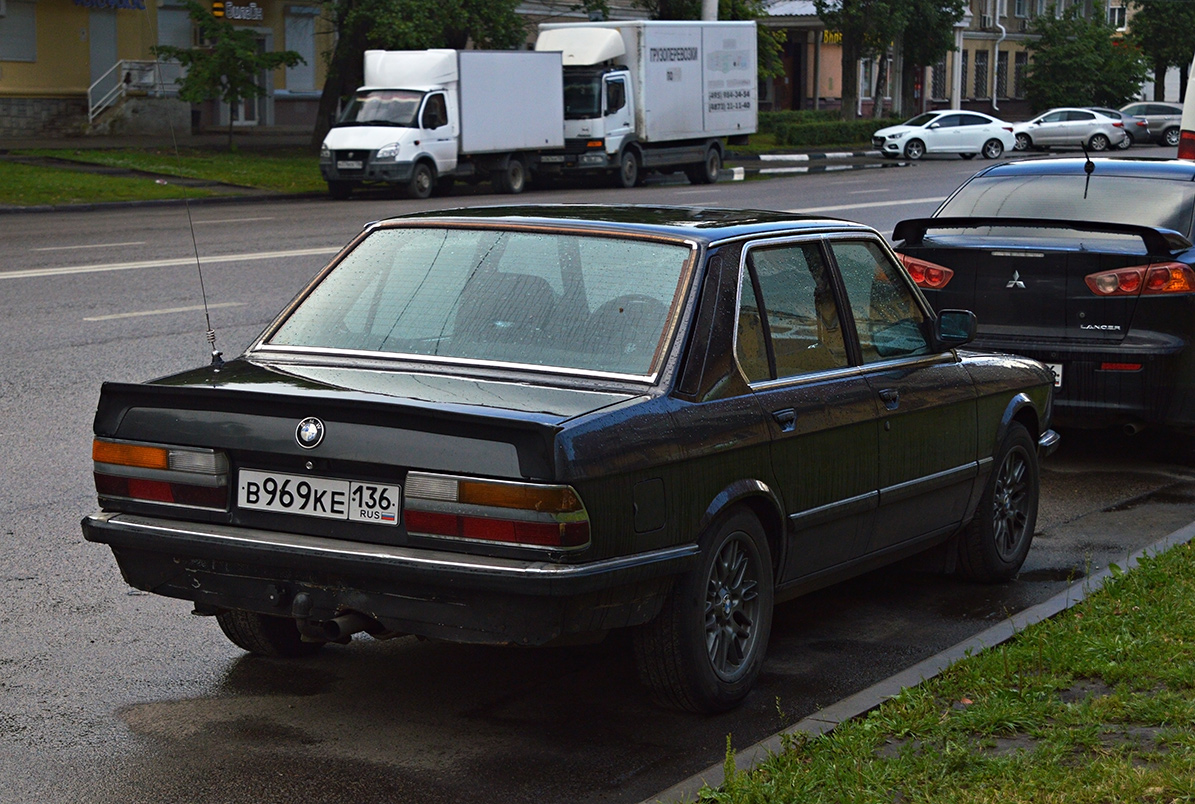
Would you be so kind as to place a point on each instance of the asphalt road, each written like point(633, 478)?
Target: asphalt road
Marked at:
point(111, 695)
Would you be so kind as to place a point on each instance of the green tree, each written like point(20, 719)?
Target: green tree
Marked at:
point(769, 41)
point(228, 67)
point(868, 27)
point(360, 25)
point(927, 37)
point(1164, 30)
point(1077, 61)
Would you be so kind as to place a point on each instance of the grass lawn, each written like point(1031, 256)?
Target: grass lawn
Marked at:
point(25, 185)
point(290, 170)
point(1096, 705)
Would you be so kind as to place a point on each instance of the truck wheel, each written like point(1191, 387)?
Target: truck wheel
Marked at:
point(706, 172)
point(423, 179)
point(704, 650)
point(340, 190)
point(628, 170)
point(264, 634)
point(993, 547)
point(512, 178)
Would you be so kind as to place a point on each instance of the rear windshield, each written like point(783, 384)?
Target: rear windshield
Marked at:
point(1158, 203)
point(544, 299)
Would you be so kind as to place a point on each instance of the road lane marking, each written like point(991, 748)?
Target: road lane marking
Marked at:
point(234, 220)
point(163, 311)
point(89, 245)
point(866, 205)
point(131, 266)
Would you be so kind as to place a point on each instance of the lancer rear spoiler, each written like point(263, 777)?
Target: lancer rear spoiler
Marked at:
point(1158, 242)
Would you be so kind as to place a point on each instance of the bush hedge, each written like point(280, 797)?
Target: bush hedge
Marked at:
point(803, 128)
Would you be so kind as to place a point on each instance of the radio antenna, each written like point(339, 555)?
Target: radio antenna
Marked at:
point(210, 335)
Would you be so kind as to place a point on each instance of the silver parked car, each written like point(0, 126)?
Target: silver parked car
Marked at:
point(1073, 127)
point(1136, 129)
point(1164, 119)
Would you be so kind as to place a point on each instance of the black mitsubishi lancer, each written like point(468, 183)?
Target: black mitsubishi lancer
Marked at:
point(1083, 264)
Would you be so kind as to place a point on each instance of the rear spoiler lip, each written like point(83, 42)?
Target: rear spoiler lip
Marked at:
point(1158, 242)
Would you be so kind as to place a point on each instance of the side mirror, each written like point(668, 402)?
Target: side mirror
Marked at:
point(955, 328)
point(934, 125)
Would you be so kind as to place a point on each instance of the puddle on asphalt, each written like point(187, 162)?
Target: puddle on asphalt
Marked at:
point(1178, 494)
point(1052, 575)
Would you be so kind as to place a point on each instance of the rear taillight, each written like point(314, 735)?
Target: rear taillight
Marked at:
point(526, 514)
point(1118, 124)
point(160, 474)
point(1186, 145)
point(1143, 280)
point(926, 274)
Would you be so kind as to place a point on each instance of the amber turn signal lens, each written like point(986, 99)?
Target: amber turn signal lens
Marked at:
point(555, 499)
point(130, 455)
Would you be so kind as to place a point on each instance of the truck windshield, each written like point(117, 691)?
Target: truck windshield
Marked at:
point(546, 299)
point(382, 107)
point(582, 96)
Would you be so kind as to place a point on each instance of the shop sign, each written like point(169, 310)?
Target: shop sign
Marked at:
point(250, 13)
point(831, 37)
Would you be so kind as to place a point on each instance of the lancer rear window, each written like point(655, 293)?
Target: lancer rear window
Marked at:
point(1117, 199)
point(534, 298)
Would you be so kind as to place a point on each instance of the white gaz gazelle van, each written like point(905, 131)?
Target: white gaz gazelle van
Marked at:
point(1186, 141)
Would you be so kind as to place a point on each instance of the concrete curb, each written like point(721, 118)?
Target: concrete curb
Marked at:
point(825, 720)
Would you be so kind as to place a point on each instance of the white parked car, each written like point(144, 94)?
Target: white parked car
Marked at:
point(946, 131)
point(1076, 128)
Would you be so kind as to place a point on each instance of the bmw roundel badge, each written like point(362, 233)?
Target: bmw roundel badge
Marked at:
point(309, 433)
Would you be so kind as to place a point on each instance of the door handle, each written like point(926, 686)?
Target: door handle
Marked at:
point(786, 418)
point(891, 398)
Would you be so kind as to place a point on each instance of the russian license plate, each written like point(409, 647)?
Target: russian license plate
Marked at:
point(552, 158)
point(350, 164)
point(329, 498)
point(1056, 370)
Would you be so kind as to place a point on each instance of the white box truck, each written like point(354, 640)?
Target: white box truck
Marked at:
point(652, 95)
point(427, 117)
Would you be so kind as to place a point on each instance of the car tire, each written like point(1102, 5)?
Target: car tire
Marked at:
point(967, 156)
point(265, 635)
point(627, 175)
point(340, 190)
point(704, 650)
point(1126, 143)
point(423, 181)
point(511, 178)
point(914, 149)
point(993, 546)
point(707, 171)
point(993, 149)
point(1171, 136)
point(1098, 142)
point(1024, 143)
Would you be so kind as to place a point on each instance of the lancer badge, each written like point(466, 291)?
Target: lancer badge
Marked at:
point(1015, 282)
point(309, 433)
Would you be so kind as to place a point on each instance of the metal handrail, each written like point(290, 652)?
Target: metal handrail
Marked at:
point(124, 76)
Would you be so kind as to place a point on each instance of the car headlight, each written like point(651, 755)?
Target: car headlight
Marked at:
point(325, 153)
point(387, 152)
point(897, 135)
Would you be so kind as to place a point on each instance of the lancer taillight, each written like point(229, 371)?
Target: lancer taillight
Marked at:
point(1143, 280)
point(926, 274)
point(525, 514)
point(196, 478)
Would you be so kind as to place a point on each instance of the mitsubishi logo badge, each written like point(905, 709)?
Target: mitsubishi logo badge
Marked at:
point(309, 433)
point(1015, 282)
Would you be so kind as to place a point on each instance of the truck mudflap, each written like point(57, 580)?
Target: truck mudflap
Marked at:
point(439, 594)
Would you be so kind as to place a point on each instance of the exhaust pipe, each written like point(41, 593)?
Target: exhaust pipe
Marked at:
point(1132, 428)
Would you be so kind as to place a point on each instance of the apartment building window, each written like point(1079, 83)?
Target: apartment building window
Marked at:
point(1041, 8)
point(981, 74)
point(1020, 67)
point(938, 87)
point(1002, 74)
point(963, 79)
point(1021, 8)
point(1117, 17)
point(18, 32)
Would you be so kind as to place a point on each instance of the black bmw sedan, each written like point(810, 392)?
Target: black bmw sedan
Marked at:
point(1085, 265)
point(526, 425)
